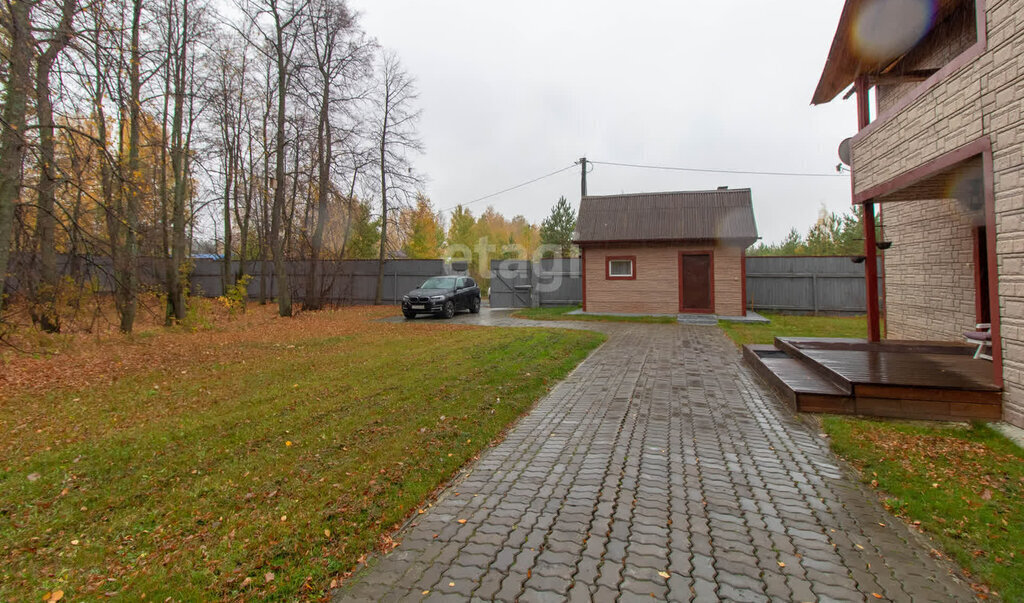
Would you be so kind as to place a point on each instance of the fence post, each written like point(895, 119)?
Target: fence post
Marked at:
point(534, 269)
point(814, 293)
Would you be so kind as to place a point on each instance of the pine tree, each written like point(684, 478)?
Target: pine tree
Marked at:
point(558, 227)
point(365, 233)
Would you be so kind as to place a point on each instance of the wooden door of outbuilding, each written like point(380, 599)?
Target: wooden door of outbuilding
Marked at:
point(696, 282)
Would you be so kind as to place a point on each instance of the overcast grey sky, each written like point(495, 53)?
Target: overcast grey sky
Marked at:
point(514, 90)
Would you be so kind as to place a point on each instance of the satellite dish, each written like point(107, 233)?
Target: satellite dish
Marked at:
point(844, 151)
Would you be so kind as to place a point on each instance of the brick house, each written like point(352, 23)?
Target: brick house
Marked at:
point(666, 253)
point(943, 158)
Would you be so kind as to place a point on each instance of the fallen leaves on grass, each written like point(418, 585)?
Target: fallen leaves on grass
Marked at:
point(964, 485)
point(91, 360)
point(189, 476)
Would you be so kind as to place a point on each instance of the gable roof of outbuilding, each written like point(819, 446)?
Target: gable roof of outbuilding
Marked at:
point(722, 214)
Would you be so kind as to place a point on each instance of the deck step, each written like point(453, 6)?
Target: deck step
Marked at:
point(799, 384)
point(821, 370)
point(918, 381)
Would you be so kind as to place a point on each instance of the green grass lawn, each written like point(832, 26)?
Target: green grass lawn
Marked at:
point(963, 485)
point(784, 325)
point(257, 478)
point(561, 313)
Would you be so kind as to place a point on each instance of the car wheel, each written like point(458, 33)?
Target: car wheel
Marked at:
point(409, 315)
point(449, 309)
point(474, 307)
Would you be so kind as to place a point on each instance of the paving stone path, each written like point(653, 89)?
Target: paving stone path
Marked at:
point(660, 468)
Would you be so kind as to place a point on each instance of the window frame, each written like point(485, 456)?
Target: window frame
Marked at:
point(619, 258)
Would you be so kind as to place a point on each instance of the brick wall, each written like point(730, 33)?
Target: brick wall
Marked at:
point(929, 270)
point(983, 98)
point(656, 287)
point(728, 281)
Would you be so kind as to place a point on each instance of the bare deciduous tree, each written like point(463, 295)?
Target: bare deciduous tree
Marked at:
point(98, 159)
point(396, 137)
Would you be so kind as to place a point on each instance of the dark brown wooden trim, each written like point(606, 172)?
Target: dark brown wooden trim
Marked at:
point(711, 275)
point(883, 295)
point(608, 259)
point(923, 171)
point(932, 394)
point(583, 272)
point(976, 253)
point(860, 84)
point(743, 279)
point(871, 271)
point(993, 267)
point(958, 62)
point(801, 256)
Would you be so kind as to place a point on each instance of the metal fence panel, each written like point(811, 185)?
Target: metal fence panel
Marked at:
point(524, 284)
point(827, 285)
point(560, 282)
point(344, 281)
point(511, 283)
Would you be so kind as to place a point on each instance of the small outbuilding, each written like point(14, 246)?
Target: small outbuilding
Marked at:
point(666, 253)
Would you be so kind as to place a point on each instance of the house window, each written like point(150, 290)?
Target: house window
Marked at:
point(622, 267)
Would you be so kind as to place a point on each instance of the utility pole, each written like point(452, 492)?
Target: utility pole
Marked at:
point(583, 177)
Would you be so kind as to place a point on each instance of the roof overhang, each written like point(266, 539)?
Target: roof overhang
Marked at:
point(850, 57)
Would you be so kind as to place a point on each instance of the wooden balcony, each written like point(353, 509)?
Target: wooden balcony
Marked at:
point(903, 379)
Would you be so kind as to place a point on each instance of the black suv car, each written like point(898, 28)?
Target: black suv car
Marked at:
point(442, 296)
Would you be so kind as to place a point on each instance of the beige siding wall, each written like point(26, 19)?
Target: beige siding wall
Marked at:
point(656, 287)
point(984, 98)
point(929, 270)
point(948, 39)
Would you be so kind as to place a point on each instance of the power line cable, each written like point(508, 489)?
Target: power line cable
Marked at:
point(716, 171)
point(511, 188)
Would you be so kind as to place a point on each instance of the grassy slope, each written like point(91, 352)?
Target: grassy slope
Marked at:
point(783, 325)
point(561, 313)
point(965, 485)
point(287, 466)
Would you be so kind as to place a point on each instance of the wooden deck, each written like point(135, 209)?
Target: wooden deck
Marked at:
point(908, 379)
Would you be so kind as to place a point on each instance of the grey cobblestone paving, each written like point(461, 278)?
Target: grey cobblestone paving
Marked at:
point(661, 468)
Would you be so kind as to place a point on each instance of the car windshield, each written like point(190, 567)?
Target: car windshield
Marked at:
point(439, 282)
